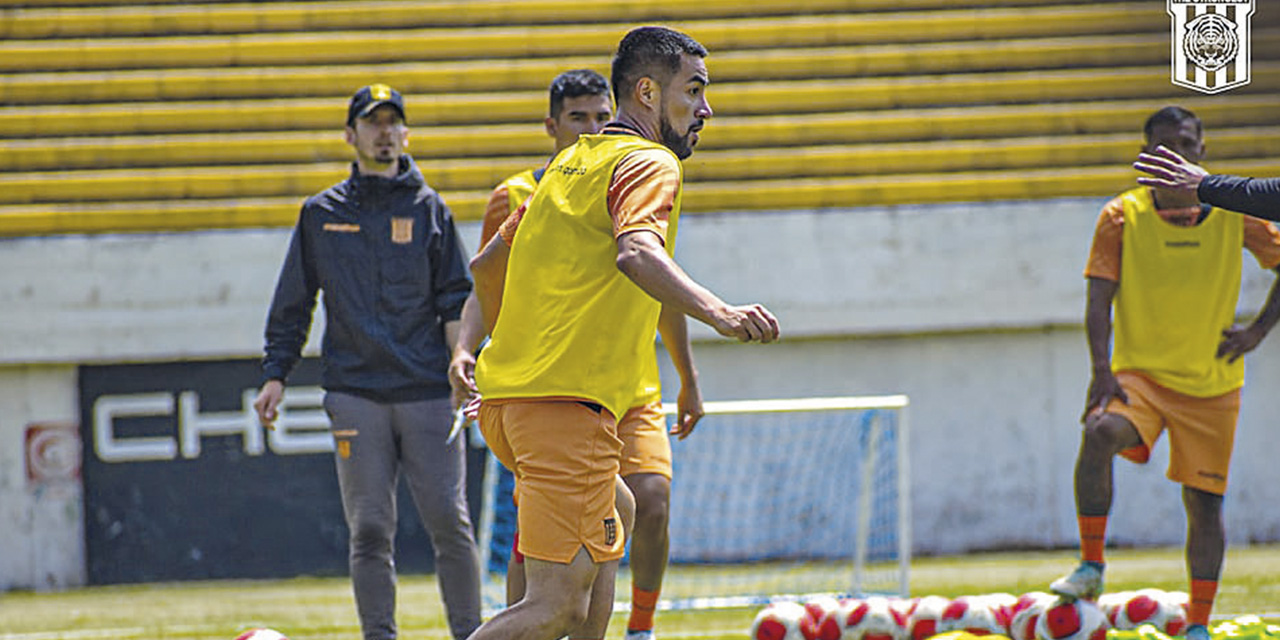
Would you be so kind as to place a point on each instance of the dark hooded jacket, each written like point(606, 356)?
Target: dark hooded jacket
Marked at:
point(389, 261)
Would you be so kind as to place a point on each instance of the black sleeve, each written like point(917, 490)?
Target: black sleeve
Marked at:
point(1259, 197)
point(289, 320)
point(451, 280)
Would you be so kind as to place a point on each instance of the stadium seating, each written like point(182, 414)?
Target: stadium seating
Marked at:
point(152, 115)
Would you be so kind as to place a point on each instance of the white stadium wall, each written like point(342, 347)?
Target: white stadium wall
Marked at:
point(971, 310)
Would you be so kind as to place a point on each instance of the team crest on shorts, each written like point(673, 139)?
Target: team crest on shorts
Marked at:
point(1211, 51)
point(610, 531)
point(402, 230)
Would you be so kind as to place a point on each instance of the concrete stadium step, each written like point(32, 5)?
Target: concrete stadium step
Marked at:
point(707, 197)
point(534, 74)
point(160, 18)
point(728, 99)
point(897, 125)
point(709, 166)
point(349, 47)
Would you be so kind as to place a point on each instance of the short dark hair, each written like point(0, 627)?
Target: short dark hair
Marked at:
point(650, 51)
point(575, 83)
point(1170, 115)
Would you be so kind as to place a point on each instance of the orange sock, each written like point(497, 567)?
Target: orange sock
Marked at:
point(642, 605)
point(1202, 595)
point(1093, 537)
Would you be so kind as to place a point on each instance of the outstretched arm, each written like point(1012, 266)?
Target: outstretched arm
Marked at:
point(1256, 197)
point(644, 260)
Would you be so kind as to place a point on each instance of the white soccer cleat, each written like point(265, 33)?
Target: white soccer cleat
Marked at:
point(1085, 583)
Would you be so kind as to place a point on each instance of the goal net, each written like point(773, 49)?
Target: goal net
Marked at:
point(771, 500)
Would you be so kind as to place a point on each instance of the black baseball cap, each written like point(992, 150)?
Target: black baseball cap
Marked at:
point(371, 97)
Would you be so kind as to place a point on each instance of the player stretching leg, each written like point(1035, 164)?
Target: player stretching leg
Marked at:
point(1177, 362)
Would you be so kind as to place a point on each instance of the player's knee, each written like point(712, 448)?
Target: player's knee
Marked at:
point(653, 500)
point(1109, 434)
point(652, 513)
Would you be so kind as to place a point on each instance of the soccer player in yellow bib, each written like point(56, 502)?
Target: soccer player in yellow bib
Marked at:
point(1177, 363)
point(573, 289)
point(580, 104)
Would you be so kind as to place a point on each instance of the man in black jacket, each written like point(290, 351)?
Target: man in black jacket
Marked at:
point(383, 248)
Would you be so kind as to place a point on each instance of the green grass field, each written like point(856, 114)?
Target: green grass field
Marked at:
point(322, 609)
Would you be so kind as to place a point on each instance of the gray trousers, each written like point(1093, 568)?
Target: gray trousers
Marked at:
point(375, 442)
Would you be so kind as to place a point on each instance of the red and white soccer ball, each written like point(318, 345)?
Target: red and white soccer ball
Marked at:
point(1002, 605)
point(872, 618)
point(819, 606)
point(903, 606)
point(1072, 620)
point(922, 621)
point(974, 614)
point(1110, 603)
point(779, 621)
point(817, 610)
point(1026, 611)
point(1150, 606)
point(261, 634)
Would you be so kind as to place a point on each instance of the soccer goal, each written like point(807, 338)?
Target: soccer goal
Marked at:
point(771, 500)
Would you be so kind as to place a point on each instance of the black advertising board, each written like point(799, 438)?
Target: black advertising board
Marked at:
point(180, 482)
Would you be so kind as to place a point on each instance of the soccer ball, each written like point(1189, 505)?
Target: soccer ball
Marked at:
point(817, 610)
point(1002, 605)
point(871, 619)
point(261, 634)
point(832, 625)
point(922, 621)
point(903, 606)
point(779, 621)
point(973, 614)
point(1111, 602)
point(1072, 620)
point(1150, 606)
point(1026, 612)
point(1182, 601)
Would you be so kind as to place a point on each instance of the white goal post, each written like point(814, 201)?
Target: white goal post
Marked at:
point(771, 500)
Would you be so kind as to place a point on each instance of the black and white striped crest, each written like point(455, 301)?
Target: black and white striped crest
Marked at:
point(1210, 50)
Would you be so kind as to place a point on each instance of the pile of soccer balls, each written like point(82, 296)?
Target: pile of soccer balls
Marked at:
point(1032, 616)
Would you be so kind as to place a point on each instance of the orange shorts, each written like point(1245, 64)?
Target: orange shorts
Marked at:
point(1201, 430)
point(564, 455)
point(646, 448)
